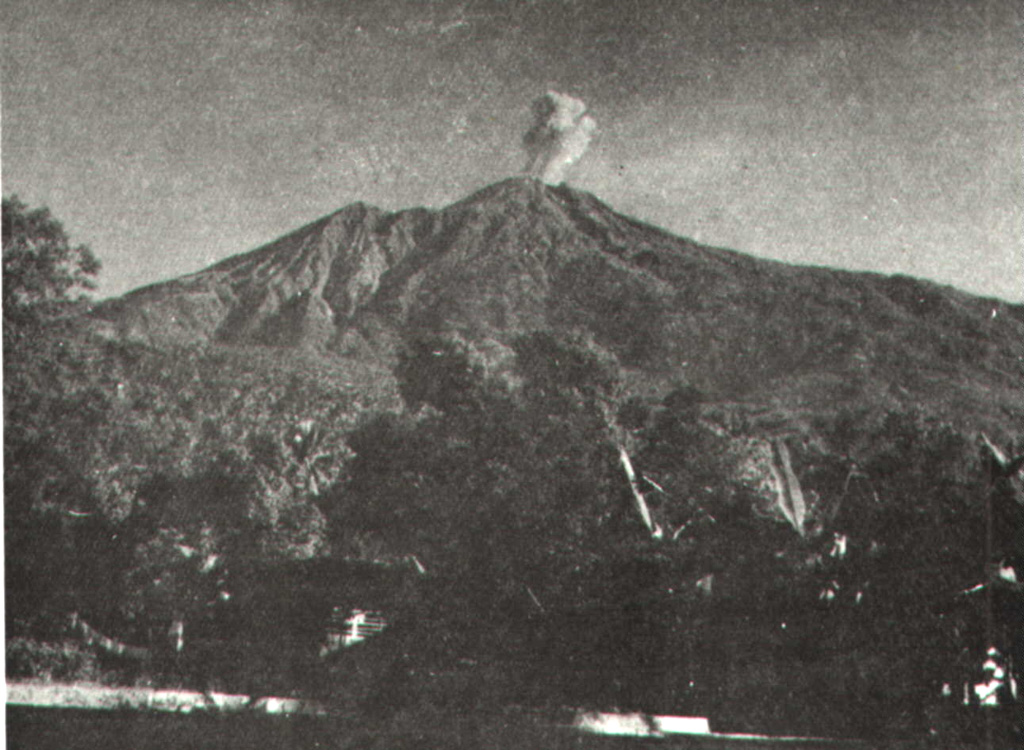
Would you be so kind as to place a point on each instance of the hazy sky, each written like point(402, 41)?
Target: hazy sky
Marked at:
point(865, 134)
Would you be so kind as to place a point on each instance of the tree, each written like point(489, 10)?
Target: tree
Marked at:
point(43, 406)
point(42, 269)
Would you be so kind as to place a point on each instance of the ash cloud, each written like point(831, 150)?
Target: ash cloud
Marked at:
point(561, 132)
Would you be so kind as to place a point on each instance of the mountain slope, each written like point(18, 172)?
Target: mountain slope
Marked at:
point(521, 256)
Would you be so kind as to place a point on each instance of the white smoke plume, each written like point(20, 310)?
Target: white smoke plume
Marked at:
point(560, 134)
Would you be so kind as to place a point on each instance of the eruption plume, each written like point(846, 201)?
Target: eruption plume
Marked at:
point(560, 134)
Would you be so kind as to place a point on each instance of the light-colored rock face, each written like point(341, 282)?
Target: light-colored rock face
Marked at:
point(765, 468)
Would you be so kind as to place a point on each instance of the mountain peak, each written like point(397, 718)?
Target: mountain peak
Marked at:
point(526, 188)
point(512, 188)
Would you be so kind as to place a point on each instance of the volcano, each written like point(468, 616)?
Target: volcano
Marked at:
point(759, 482)
point(522, 256)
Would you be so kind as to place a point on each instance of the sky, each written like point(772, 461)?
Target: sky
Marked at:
point(881, 135)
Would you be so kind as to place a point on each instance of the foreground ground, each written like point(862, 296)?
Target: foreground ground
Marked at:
point(509, 729)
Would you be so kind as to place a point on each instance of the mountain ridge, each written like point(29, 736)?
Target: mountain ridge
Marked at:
point(520, 256)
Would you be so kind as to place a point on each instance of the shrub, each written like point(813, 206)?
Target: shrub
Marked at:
point(61, 662)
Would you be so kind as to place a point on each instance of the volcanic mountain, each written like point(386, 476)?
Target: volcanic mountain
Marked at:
point(521, 256)
point(758, 482)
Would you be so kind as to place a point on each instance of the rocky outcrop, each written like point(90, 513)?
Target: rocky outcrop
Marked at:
point(765, 467)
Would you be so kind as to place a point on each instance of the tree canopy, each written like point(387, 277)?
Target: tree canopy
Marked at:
point(42, 268)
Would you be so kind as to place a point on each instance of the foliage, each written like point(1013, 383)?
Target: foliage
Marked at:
point(41, 268)
point(436, 371)
point(687, 463)
point(503, 493)
point(62, 661)
point(514, 496)
point(111, 448)
point(510, 493)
